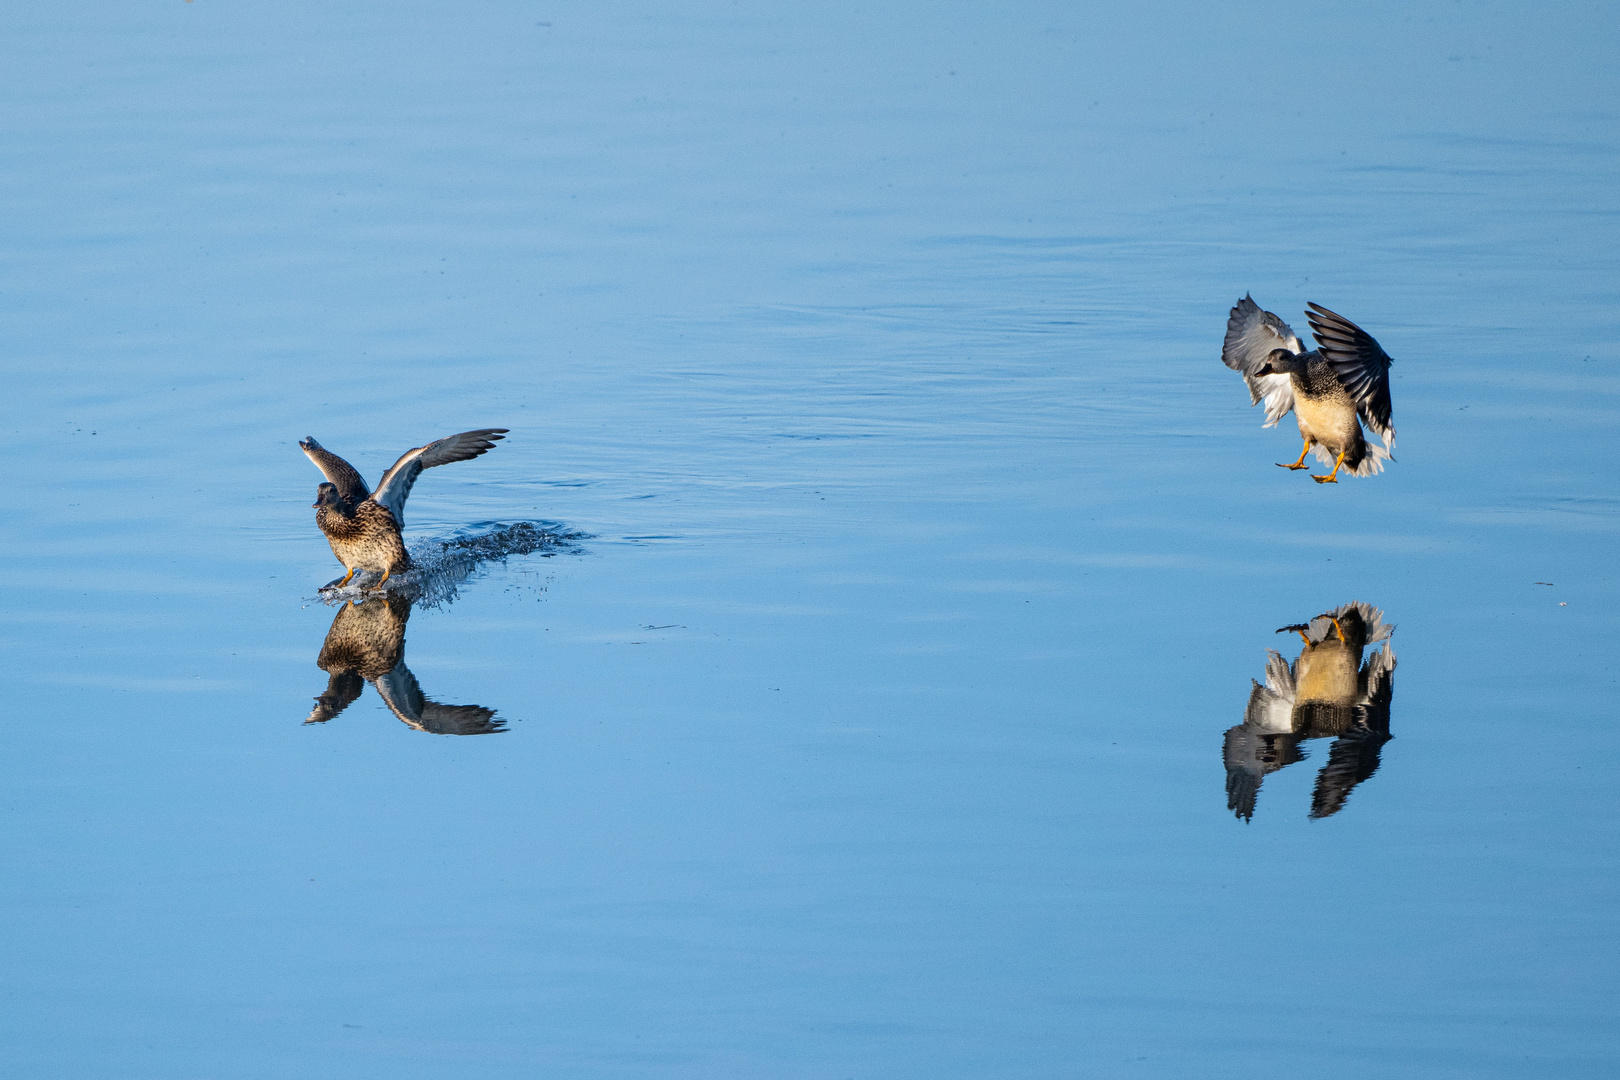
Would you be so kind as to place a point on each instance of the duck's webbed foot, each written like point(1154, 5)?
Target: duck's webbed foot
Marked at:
point(1332, 477)
point(1300, 464)
point(336, 584)
point(1297, 628)
point(378, 586)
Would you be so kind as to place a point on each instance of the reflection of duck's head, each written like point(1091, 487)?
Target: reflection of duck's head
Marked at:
point(342, 687)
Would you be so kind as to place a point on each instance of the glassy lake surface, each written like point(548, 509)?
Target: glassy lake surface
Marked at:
point(879, 728)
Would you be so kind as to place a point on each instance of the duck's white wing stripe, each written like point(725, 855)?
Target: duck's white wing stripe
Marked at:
point(402, 694)
point(1271, 707)
point(1380, 676)
point(1278, 393)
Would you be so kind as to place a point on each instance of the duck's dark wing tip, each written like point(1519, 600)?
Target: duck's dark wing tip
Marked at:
point(1352, 758)
point(395, 486)
point(458, 447)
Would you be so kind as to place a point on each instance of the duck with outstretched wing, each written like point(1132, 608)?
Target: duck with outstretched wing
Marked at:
point(364, 527)
point(1332, 390)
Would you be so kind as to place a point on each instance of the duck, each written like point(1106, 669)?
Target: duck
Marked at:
point(1332, 390)
point(364, 528)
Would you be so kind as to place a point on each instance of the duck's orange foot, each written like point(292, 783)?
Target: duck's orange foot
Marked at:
point(1326, 479)
point(1295, 465)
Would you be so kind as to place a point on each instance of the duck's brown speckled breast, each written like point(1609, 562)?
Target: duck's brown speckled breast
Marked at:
point(370, 540)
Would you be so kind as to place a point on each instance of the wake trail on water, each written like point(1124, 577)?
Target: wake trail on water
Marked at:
point(440, 565)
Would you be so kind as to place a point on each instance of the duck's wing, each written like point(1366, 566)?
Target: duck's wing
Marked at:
point(1352, 758)
point(1361, 365)
point(395, 486)
point(403, 695)
point(1251, 335)
point(1249, 757)
point(339, 472)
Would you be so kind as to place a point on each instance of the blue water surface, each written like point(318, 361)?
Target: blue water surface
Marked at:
point(877, 729)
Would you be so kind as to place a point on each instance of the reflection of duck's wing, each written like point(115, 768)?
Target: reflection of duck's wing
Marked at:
point(1243, 771)
point(403, 695)
point(1271, 706)
point(1352, 758)
point(396, 483)
point(1362, 623)
point(1262, 743)
point(1249, 756)
point(1378, 676)
point(349, 483)
point(1251, 336)
point(342, 687)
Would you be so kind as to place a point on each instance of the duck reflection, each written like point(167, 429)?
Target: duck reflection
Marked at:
point(1328, 692)
point(367, 644)
point(367, 640)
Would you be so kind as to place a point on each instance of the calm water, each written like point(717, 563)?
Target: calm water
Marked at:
point(881, 726)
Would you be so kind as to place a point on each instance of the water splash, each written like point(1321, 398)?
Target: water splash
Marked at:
point(439, 566)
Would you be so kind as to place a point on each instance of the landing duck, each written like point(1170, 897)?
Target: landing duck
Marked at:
point(364, 527)
point(1332, 389)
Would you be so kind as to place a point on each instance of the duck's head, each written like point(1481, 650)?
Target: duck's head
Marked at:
point(327, 495)
point(1281, 362)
